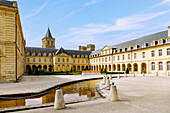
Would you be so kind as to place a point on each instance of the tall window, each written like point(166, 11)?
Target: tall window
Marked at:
point(153, 53)
point(168, 51)
point(143, 55)
point(106, 59)
point(168, 40)
point(160, 66)
point(28, 60)
point(86, 61)
point(153, 66)
point(58, 59)
point(50, 60)
point(109, 58)
point(153, 43)
point(160, 52)
point(67, 59)
point(78, 61)
point(45, 60)
point(134, 55)
point(74, 61)
point(82, 61)
point(160, 41)
point(114, 58)
point(123, 57)
point(51, 42)
point(128, 56)
point(63, 60)
point(33, 59)
point(168, 66)
point(118, 58)
point(102, 59)
point(39, 59)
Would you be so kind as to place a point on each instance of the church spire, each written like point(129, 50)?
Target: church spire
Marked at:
point(48, 34)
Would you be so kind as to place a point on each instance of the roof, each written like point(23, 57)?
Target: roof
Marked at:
point(6, 3)
point(145, 39)
point(48, 34)
point(56, 51)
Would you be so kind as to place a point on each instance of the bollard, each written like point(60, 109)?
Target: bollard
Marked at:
point(113, 96)
point(133, 74)
point(156, 73)
point(104, 80)
point(59, 100)
point(143, 74)
point(118, 76)
point(168, 74)
point(110, 77)
point(107, 84)
point(125, 75)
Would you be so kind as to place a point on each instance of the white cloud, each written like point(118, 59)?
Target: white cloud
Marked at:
point(37, 11)
point(162, 3)
point(87, 32)
point(91, 2)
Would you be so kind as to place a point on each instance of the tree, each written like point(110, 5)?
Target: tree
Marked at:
point(105, 70)
point(101, 70)
point(127, 71)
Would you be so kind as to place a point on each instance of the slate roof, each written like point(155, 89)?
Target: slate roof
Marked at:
point(6, 3)
point(56, 51)
point(48, 34)
point(147, 39)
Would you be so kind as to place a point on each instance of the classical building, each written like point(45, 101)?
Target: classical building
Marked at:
point(12, 43)
point(148, 54)
point(50, 59)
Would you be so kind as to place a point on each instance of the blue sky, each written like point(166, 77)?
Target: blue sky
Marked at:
point(100, 22)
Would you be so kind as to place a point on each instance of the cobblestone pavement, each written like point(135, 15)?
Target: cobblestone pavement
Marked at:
point(149, 94)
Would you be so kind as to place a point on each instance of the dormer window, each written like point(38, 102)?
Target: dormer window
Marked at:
point(129, 48)
point(86, 56)
point(120, 50)
point(82, 56)
point(50, 54)
point(45, 54)
point(33, 54)
point(160, 41)
point(39, 54)
point(168, 40)
point(74, 56)
point(78, 56)
point(28, 53)
point(143, 45)
point(136, 46)
point(152, 43)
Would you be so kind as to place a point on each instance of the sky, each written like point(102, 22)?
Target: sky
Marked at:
point(100, 22)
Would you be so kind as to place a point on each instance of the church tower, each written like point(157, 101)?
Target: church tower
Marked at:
point(48, 41)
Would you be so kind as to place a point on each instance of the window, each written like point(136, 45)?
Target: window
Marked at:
point(28, 60)
point(39, 54)
point(39, 59)
point(86, 56)
point(51, 42)
point(106, 59)
point(134, 55)
point(160, 66)
point(118, 58)
point(50, 60)
point(49, 54)
point(48, 42)
point(143, 55)
point(160, 52)
point(33, 59)
point(128, 56)
point(33, 54)
point(63, 59)
point(28, 53)
point(114, 58)
point(123, 57)
point(99, 59)
point(168, 51)
point(168, 40)
point(67, 59)
point(45, 54)
point(153, 53)
point(74, 56)
point(74, 61)
point(45, 60)
point(109, 58)
point(58, 59)
point(82, 61)
point(78, 56)
point(168, 66)
point(102, 59)
point(78, 61)
point(143, 45)
point(153, 43)
point(86, 61)
point(160, 42)
point(153, 66)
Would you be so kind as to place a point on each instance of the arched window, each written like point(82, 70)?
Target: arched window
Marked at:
point(39, 54)
point(28, 53)
point(168, 66)
point(153, 66)
point(123, 57)
point(143, 55)
point(160, 66)
point(134, 55)
point(168, 51)
point(50, 54)
point(153, 53)
point(160, 52)
point(33, 54)
point(28, 60)
point(63, 59)
point(45, 54)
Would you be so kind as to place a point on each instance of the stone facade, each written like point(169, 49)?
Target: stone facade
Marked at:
point(12, 43)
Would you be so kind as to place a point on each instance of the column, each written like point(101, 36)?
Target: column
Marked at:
point(111, 67)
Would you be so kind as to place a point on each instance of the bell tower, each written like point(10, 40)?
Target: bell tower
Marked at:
point(48, 41)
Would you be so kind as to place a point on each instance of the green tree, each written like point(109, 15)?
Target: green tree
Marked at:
point(101, 70)
point(127, 71)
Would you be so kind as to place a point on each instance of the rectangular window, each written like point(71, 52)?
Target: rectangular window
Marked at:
point(67, 59)
point(168, 51)
point(28, 60)
point(134, 55)
point(63, 60)
point(123, 57)
point(78, 61)
point(45, 60)
point(39, 59)
point(106, 59)
point(33, 59)
point(109, 58)
point(168, 40)
point(114, 58)
point(160, 52)
point(118, 58)
point(153, 66)
point(102, 59)
point(168, 66)
point(82, 61)
point(143, 55)
point(160, 66)
point(128, 56)
point(58, 59)
point(50, 60)
point(153, 53)
point(86, 61)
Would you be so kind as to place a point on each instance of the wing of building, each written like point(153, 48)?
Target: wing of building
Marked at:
point(12, 43)
point(149, 54)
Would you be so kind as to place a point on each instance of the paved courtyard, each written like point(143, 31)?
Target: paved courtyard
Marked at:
point(139, 94)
